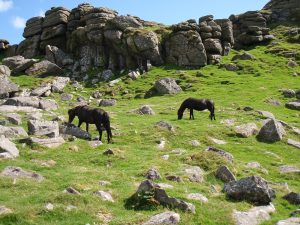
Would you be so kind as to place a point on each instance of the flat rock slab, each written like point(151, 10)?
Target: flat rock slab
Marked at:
point(4, 210)
point(296, 144)
point(11, 108)
point(95, 144)
point(165, 125)
point(48, 142)
point(290, 221)
point(17, 172)
point(71, 129)
point(42, 127)
point(254, 216)
point(105, 196)
point(13, 132)
point(14, 118)
point(246, 130)
point(194, 173)
point(197, 197)
point(266, 114)
point(293, 105)
point(289, 169)
point(7, 148)
point(217, 141)
point(165, 218)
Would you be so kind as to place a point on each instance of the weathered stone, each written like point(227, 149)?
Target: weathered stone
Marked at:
point(59, 84)
point(165, 218)
point(253, 189)
point(4, 71)
point(165, 125)
point(122, 23)
point(254, 216)
point(296, 144)
point(108, 102)
point(246, 130)
point(231, 67)
point(48, 142)
point(4, 210)
point(23, 101)
point(197, 197)
point(152, 174)
point(70, 129)
point(14, 118)
point(167, 86)
point(293, 198)
point(55, 16)
point(41, 128)
point(293, 105)
point(13, 132)
point(195, 174)
point(24, 65)
point(105, 196)
point(95, 144)
point(224, 154)
point(224, 174)
point(11, 108)
point(266, 114)
point(144, 110)
point(289, 93)
point(13, 62)
point(66, 97)
point(194, 143)
point(289, 221)
point(243, 56)
point(40, 90)
point(44, 68)
point(174, 178)
point(289, 169)
point(107, 75)
point(17, 172)
point(71, 190)
point(8, 88)
point(7, 148)
point(272, 131)
point(48, 104)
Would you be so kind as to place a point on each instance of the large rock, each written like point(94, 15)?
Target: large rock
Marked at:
point(55, 16)
point(165, 218)
point(47, 142)
point(13, 62)
point(23, 101)
point(48, 104)
point(4, 71)
point(40, 91)
point(253, 189)
point(11, 108)
point(33, 26)
point(13, 132)
point(24, 65)
point(123, 22)
point(167, 86)
point(185, 48)
point(254, 216)
point(70, 129)
point(17, 172)
point(14, 118)
point(30, 47)
point(272, 131)
point(41, 128)
point(59, 84)
point(44, 68)
point(7, 148)
point(57, 56)
point(108, 102)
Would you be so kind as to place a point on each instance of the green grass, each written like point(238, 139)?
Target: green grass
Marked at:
point(135, 145)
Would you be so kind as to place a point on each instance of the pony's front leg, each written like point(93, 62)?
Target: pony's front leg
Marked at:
point(99, 128)
point(87, 127)
point(191, 113)
point(79, 123)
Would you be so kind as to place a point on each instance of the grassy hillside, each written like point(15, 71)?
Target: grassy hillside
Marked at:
point(135, 148)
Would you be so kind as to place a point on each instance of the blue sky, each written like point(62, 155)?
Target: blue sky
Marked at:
point(14, 13)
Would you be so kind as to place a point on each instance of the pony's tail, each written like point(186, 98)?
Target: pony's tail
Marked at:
point(106, 123)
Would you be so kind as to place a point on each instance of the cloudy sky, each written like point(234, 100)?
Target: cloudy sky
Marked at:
point(14, 13)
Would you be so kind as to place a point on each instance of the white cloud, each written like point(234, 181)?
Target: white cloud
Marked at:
point(5, 5)
point(19, 22)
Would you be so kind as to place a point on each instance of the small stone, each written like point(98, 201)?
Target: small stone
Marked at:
point(174, 178)
point(197, 197)
point(165, 218)
point(293, 105)
point(289, 169)
point(224, 154)
point(66, 97)
point(95, 144)
point(108, 152)
point(194, 143)
point(71, 190)
point(165, 125)
point(165, 157)
point(266, 114)
point(224, 174)
point(71, 207)
point(296, 144)
point(4, 210)
point(17, 172)
point(195, 174)
point(178, 151)
point(161, 143)
point(104, 183)
point(108, 102)
point(49, 206)
point(165, 186)
point(291, 64)
point(248, 108)
point(105, 196)
point(217, 141)
point(152, 174)
point(290, 221)
point(246, 130)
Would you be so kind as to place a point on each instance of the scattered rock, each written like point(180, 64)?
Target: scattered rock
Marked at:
point(48, 104)
point(228, 122)
point(8, 88)
point(289, 221)
point(271, 131)
point(266, 114)
point(66, 97)
point(194, 143)
point(44, 68)
point(243, 56)
point(167, 86)
point(195, 174)
point(71, 207)
point(40, 91)
point(59, 84)
point(231, 67)
point(165, 186)
point(293, 198)
point(254, 216)
point(23, 101)
point(144, 110)
point(13, 132)
point(253, 189)
point(296, 144)
point(41, 128)
point(4, 210)
point(197, 197)
point(161, 143)
point(224, 174)
point(274, 102)
point(289, 93)
point(292, 64)
point(95, 144)
point(248, 108)
point(217, 141)
point(105, 196)
point(14, 118)
point(70, 129)
point(134, 75)
point(35, 116)
point(108, 102)
point(293, 105)
point(298, 94)
point(17, 172)
point(152, 174)
point(178, 151)
point(165, 157)
point(10, 108)
point(47, 142)
point(224, 154)
point(165, 218)
point(71, 190)
point(104, 183)
point(4, 71)
point(108, 152)
point(49, 206)
point(289, 169)
point(246, 130)
point(174, 178)
point(165, 125)
point(45, 163)
point(7, 148)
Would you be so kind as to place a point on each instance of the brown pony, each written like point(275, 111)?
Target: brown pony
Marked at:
point(196, 104)
point(92, 116)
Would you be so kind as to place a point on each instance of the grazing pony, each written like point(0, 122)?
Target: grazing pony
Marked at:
point(92, 116)
point(197, 104)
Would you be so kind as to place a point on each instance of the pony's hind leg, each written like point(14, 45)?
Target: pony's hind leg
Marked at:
point(87, 127)
point(99, 128)
point(191, 114)
point(79, 123)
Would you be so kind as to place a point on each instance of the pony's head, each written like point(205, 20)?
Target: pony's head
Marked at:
point(72, 114)
point(180, 114)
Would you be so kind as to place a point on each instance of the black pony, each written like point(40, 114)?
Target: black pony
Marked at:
point(197, 104)
point(92, 116)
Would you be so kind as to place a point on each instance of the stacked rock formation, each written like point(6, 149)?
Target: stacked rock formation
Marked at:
point(250, 28)
point(284, 10)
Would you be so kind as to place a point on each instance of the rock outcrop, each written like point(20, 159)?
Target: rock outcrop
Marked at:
point(283, 10)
